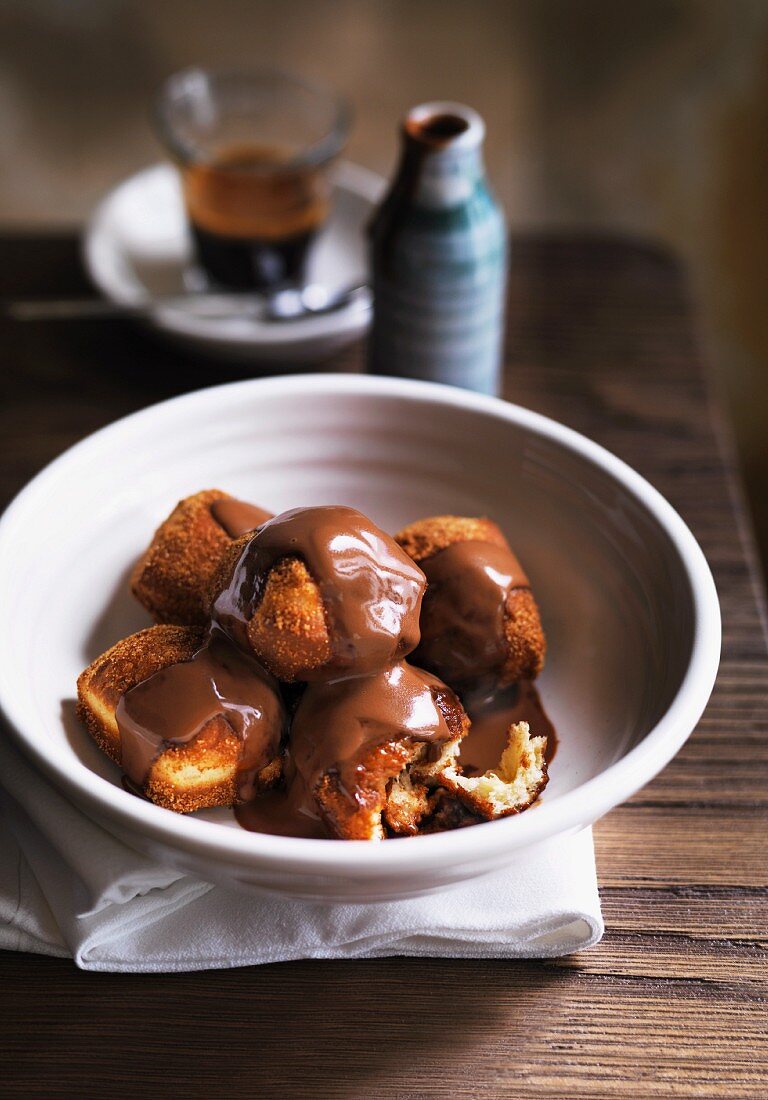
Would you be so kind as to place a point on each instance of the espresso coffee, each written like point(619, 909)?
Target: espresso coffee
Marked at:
point(254, 215)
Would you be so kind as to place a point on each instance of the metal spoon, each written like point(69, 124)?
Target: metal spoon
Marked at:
point(288, 304)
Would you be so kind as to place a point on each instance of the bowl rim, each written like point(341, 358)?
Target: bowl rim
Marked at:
point(574, 809)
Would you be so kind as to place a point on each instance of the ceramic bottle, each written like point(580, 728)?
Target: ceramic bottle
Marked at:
point(438, 257)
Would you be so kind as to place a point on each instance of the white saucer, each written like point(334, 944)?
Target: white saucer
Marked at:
point(137, 243)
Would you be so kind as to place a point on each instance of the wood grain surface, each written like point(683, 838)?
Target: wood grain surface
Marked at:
point(673, 1001)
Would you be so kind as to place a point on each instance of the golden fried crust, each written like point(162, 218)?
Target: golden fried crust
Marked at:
point(172, 577)
point(185, 777)
point(385, 793)
point(357, 815)
point(408, 794)
point(126, 664)
point(406, 804)
point(289, 629)
point(426, 537)
point(522, 622)
point(199, 774)
point(525, 637)
point(203, 772)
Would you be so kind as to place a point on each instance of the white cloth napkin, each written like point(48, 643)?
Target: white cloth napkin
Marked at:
point(69, 888)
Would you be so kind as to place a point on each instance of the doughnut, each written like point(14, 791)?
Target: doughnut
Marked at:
point(479, 620)
point(509, 788)
point(172, 577)
point(354, 741)
point(184, 767)
point(275, 680)
point(319, 593)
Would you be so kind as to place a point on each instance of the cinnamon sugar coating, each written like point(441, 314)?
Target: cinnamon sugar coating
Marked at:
point(427, 537)
point(172, 577)
point(289, 630)
point(525, 637)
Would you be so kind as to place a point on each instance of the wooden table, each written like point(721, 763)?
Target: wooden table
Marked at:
point(672, 1002)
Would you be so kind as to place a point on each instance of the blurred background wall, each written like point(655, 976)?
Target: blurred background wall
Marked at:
point(649, 118)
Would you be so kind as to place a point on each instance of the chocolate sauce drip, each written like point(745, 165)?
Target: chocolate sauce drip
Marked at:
point(290, 812)
point(337, 723)
point(335, 727)
point(173, 706)
point(492, 713)
point(237, 517)
point(371, 590)
point(462, 620)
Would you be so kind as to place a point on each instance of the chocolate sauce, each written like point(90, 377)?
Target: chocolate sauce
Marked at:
point(462, 619)
point(492, 713)
point(293, 812)
point(371, 590)
point(282, 813)
point(173, 706)
point(237, 517)
point(335, 727)
point(338, 722)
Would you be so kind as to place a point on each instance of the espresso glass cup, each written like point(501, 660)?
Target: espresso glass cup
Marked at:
point(254, 151)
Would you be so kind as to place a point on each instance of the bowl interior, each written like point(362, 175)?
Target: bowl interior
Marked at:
point(615, 599)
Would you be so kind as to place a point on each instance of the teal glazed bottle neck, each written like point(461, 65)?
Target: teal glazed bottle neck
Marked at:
point(442, 159)
point(437, 247)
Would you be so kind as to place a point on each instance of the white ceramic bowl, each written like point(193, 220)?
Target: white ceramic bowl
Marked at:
point(137, 243)
point(628, 600)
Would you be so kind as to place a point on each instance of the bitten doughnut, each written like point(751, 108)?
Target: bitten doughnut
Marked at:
point(320, 593)
point(479, 620)
point(200, 751)
point(509, 788)
point(172, 577)
point(354, 741)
